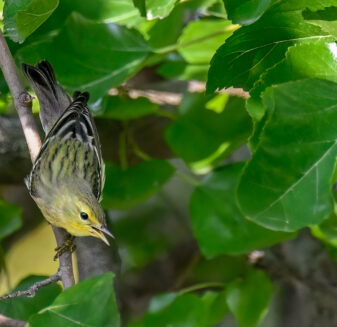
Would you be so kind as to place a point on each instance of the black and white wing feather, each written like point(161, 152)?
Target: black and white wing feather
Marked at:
point(72, 139)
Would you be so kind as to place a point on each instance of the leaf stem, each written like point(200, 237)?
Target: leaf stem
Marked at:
point(201, 286)
point(137, 150)
point(187, 178)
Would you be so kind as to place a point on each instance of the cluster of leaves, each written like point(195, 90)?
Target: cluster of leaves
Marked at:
point(282, 52)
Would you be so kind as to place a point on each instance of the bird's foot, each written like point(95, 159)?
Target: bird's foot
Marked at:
point(67, 246)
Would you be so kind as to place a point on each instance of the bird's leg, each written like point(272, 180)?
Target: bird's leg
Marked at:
point(67, 245)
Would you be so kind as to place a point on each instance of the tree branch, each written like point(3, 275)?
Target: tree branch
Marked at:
point(23, 105)
point(30, 292)
point(9, 322)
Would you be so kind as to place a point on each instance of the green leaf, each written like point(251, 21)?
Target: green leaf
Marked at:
point(89, 303)
point(22, 307)
point(253, 49)
point(201, 38)
point(117, 11)
point(217, 223)
point(126, 188)
point(177, 310)
point(158, 8)
point(23, 17)
point(246, 12)
point(248, 298)
point(90, 56)
point(10, 218)
point(199, 132)
point(124, 108)
point(315, 59)
point(164, 32)
point(286, 185)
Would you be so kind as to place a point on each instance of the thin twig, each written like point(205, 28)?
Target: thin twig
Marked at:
point(23, 105)
point(9, 322)
point(30, 292)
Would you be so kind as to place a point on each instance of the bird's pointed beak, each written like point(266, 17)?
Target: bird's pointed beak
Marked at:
point(99, 233)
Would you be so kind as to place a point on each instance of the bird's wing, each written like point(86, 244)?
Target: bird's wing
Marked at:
point(76, 126)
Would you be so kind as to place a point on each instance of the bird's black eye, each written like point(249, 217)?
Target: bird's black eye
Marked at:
point(84, 215)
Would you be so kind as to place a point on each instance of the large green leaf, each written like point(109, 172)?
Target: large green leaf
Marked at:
point(90, 303)
point(90, 56)
point(218, 225)
point(10, 219)
point(23, 17)
point(126, 188)
point(22, 307)
point(124, 108)
point(248, 298)
point(252, 49)
point(286, 185)
point(206, 123)
point(201, 38)
point(316, 59)
point(245, 12)
point(190, 310)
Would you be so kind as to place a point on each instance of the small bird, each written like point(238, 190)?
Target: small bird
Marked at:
point(67, 177)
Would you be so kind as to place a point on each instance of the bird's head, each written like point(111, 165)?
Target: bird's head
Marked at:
point(79, 212)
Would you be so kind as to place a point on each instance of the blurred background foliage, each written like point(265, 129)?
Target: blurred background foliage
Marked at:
point(197, 181)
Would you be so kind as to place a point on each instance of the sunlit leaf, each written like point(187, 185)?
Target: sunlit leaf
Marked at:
point(90, 56)
point(23, 17)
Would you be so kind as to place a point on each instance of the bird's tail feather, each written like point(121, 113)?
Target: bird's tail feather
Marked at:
point(52, 98)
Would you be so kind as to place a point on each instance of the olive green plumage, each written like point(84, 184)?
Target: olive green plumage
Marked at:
point(67, 177)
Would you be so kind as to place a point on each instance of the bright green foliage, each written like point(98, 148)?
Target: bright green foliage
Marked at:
point(185, 310)
point(125, 188)
point(218, 224)
point(22, 308)
point(116, 11)
point(293, 189)
point(283, 53)
point(23, 17)
point(10, 218)
point(89, 303)
point(200, 39)
point(115, 54)
point(248, 298)
point(253, 49)
point(320, 63)
point(124, 108)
